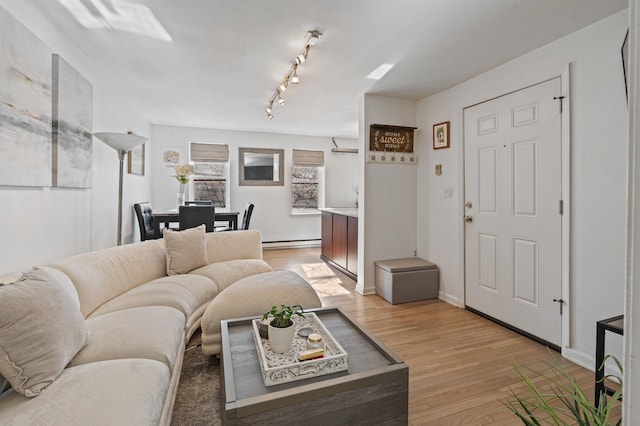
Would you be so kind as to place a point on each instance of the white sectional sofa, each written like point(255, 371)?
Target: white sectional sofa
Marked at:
point(126, 364)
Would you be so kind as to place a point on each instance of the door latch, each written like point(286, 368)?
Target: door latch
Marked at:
point(468, 219)
point(561, 302)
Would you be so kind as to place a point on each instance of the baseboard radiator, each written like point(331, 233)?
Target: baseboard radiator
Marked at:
point(274, 245)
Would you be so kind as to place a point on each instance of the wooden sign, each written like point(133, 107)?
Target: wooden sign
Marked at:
point(387, 138)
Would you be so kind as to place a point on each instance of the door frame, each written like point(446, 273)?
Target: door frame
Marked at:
point(562, 72)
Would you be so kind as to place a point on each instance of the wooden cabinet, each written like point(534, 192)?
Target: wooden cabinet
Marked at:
point(340, 242)
point(352, 245)
point(327, 237)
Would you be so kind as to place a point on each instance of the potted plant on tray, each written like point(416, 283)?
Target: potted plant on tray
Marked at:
point(281, 329)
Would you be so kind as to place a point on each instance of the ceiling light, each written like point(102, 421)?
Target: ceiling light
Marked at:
point(380, 72)
point(311, 39)
point(303, 55)
point(284, 84)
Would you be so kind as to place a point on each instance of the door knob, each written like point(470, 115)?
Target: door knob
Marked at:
point(468, 219)
point(468, 204)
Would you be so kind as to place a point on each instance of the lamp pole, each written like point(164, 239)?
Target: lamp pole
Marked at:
point(121, 142)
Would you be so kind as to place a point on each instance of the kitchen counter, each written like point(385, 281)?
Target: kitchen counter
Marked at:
point(344, 211)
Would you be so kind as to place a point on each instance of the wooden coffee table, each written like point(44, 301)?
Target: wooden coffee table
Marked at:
point(374, 390)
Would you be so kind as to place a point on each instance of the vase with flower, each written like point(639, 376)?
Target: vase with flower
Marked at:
point(183, 171)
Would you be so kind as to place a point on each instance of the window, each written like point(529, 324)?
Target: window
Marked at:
point(210, 178)
point(307, 181)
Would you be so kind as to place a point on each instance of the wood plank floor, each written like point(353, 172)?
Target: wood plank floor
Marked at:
point(460, 364)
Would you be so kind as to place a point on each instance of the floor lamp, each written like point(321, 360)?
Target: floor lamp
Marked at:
point(121, 142)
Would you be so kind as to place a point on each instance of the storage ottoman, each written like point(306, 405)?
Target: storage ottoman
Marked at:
point(406, 280)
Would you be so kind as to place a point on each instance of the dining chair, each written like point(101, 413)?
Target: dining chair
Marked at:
point(192, 216)
point(144, 213)
point(198, 203)
point(246, 217)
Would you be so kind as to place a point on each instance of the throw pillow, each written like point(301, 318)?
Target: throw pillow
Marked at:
point(186, 250)
point(41, 330)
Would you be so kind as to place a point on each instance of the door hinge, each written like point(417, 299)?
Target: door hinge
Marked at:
point(561, 302)
point(561, 207)
point(559, 98)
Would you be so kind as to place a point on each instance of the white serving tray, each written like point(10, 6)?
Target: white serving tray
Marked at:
point(283, 368)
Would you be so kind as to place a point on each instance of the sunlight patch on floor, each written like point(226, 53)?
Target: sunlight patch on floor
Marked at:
point(323, 279)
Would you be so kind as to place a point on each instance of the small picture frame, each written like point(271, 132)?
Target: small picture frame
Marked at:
point(136, 160)
point(441, 135)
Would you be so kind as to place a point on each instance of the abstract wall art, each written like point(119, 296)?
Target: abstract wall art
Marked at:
point(72, 147)
point(25, 106)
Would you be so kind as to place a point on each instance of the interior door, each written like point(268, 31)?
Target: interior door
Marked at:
point(513, 188)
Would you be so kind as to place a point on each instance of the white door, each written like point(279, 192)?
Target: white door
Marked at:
point(513, 159)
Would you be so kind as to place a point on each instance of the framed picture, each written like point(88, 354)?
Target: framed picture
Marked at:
point(441, 135)
point(136, 160)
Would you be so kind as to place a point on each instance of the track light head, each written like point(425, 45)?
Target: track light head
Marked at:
point(294, 77)
point(268, 109)
point(284, 84)
point(280, 100)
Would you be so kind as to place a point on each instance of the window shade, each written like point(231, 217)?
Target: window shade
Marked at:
point(308, 158)
point(209, 152)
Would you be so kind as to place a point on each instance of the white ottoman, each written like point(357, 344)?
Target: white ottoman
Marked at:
point(253, 296)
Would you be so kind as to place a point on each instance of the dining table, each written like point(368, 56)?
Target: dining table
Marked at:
point(171, 216)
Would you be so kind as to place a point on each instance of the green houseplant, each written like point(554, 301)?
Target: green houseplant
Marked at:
point(281, 328)
point(562, 402)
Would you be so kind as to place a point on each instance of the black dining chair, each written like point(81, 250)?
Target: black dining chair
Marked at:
point(198, 203)
point(192, 216)
point(144, 213)
point(246, 217)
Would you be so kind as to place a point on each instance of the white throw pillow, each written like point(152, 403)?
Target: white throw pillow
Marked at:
point(186, 250)
point(41, 330)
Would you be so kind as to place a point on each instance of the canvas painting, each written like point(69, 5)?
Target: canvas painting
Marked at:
point(136, 160)
point(25, 106)
point(72, 147)
point(170, 156)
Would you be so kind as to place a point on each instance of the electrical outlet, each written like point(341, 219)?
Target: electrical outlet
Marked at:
point(448, 192)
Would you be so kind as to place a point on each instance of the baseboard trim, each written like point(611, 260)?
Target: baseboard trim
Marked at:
point(580, 358)
point(452, 300)
point(269, 245)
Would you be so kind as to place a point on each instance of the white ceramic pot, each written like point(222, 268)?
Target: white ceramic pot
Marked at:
point(280, 339)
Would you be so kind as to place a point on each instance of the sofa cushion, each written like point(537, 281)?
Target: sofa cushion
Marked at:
point(149, 332)
point(41, 330)
point(116, 392)
point(223, 246)
point(62, 279)
point(188, 293)
point(101, 275)
point(226, 273)
point(186, 250)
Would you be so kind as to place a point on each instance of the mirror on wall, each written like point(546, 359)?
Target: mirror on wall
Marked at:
point(261, 167)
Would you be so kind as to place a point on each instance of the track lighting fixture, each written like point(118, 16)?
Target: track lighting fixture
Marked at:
point(310, 39)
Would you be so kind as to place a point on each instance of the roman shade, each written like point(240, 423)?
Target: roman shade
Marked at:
point(209, 152)
point(308, 158)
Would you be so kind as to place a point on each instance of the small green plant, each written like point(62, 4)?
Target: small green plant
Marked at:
point(564, 402)
point(282, 315)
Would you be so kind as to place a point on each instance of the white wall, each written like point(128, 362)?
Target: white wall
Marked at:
point(387, 213)
point(45, 224)
point(598, 173)
point(272, 211)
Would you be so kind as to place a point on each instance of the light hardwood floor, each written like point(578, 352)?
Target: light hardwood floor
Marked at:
point(460, 364)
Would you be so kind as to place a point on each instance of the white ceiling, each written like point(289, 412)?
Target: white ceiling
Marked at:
point(226, 57)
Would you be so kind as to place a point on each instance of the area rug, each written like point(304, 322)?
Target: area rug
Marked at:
point(198, 396)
